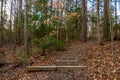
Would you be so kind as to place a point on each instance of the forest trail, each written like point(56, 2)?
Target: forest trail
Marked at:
point(74, 53)
point(73, 56)
point(78, 47)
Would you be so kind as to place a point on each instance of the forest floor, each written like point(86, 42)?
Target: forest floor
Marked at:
point(98, 57)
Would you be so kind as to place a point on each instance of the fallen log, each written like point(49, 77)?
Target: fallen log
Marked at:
point(52, 68)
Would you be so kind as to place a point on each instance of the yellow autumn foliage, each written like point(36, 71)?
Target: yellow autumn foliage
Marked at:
point(53, 33)
point(72, 16)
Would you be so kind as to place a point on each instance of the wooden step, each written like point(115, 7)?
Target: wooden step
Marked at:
point(51, 68)
point(69, 61)
point(69, 54)
point(71, 67)
point(66, 62)
point(69, 58)
point(74, 55)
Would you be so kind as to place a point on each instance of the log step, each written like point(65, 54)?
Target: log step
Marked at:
point(69, 58)
point(70, 55)
point(52, 68)
point(69, 61)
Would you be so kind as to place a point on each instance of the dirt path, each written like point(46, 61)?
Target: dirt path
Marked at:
point(76, 53)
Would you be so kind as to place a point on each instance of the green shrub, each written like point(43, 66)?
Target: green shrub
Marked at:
point(48, 42)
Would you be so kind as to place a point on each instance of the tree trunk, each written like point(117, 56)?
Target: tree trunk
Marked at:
point(116, 29)
point(76, 20)
point(84, 23)
point(106, 29)
point(10, 28)
point(66, 27)
point(1, 25)
point(19, 22)
point(26, 27)
point(98, 23)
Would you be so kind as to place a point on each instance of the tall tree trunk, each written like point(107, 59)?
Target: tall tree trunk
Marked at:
point(66, 27)
point(10, 37)
point(84, 22)
point(98, 23)
point(1, 25)
point(61, 14)
point(112, 35)
point(115, 11)
point(76, 20)
point(11, 15)
point(116, 29)
point(58, 27)
point(19, 21)
point(106, 29)
point(26, 27)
